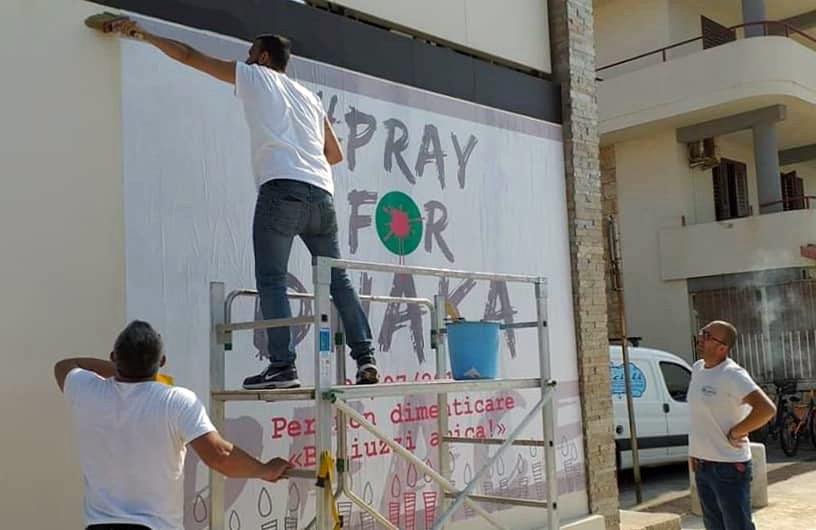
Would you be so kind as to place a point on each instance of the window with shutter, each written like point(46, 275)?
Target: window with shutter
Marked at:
point(793, 191)
point(715, 34)
point(720, 193)
point(730, 190)
point(741, 187)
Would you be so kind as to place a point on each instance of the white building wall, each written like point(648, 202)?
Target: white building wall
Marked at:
point(61, 230)
point(626, 28)
point(684, 16)
point(654, 191)
point(517, 31)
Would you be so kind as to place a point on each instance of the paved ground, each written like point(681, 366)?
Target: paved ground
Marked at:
point(791, 492)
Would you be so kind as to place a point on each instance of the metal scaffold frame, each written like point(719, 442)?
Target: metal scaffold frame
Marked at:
point(328, 396)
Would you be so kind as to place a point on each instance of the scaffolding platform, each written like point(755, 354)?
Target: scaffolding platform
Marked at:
point(330, 398)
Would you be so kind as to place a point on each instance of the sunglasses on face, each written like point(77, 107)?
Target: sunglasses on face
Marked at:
point(706, 336)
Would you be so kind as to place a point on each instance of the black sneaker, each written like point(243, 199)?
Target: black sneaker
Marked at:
point(367, 373)
point(273, 377)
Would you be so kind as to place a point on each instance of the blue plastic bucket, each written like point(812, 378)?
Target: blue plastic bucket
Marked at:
point(473, 348)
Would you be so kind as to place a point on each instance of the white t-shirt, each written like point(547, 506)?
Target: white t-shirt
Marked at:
point(286, 127)
point(132, 442)
point(715, 405)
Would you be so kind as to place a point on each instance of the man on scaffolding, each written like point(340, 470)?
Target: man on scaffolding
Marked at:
point(293, 148)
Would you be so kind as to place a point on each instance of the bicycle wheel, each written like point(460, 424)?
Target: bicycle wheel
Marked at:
point(789, 437)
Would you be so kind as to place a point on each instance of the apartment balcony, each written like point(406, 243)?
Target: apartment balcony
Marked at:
point(748, 244)
point(684, 84)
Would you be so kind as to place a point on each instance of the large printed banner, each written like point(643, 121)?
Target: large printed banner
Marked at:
point(427, 180)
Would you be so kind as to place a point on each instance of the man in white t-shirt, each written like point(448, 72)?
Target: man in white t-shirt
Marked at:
point(133, 434)
point(293, 149)
point(725, 405)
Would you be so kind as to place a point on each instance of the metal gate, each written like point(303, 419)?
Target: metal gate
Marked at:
point(776, 324)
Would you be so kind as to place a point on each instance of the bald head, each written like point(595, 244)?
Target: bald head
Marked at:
point(724, 332)
point(714, 342)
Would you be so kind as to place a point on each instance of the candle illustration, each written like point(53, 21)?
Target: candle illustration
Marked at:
point(410, 510)
point(344, 507)
point(394, 513)
point(524, 484)
point(504, 486)
point(538, 478)
point(367, 521)
point(429, 500)
point(488, 487)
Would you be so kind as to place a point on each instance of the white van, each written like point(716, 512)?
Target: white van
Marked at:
point(660, 383)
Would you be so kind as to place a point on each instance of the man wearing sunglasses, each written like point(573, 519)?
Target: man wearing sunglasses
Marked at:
point(725, 404)
point(293, 149)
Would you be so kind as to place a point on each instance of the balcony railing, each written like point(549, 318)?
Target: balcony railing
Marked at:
point(805, 202)
point(769, 28)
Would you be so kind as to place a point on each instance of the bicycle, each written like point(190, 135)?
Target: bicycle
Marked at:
point(785, 424)
point(798, 419)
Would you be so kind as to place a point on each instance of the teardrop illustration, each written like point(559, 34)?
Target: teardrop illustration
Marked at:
point(521, 465)
point(368, 493)
point(234, 521)
point(468, 473)
point(294, 498)
point(396, 486)
point(264, 503)
point(411, 476)
point(199, 509)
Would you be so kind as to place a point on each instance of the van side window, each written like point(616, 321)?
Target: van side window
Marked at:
point(677, 380)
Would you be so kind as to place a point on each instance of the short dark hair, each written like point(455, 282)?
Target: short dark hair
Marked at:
point(137, 351)
point(279, 48)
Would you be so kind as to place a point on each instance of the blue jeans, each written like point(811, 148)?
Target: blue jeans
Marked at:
point(725, 495)
point(285, 209)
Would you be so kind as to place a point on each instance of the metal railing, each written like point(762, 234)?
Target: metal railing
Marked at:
point(782, 30)
point(804, 202)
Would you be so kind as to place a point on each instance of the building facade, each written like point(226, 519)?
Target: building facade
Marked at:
point(709, 165)
point(92, 243)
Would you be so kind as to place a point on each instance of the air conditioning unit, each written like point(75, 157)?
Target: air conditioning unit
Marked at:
point(703, 154)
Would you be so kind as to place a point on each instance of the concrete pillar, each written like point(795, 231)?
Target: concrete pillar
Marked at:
point(573, 58)
point(759, 481)
point(766, 158)
point(753, 11)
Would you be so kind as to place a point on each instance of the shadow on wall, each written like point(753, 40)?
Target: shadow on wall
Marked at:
point(244, 432)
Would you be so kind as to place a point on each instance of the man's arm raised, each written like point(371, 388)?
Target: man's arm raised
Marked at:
point(218, 68)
